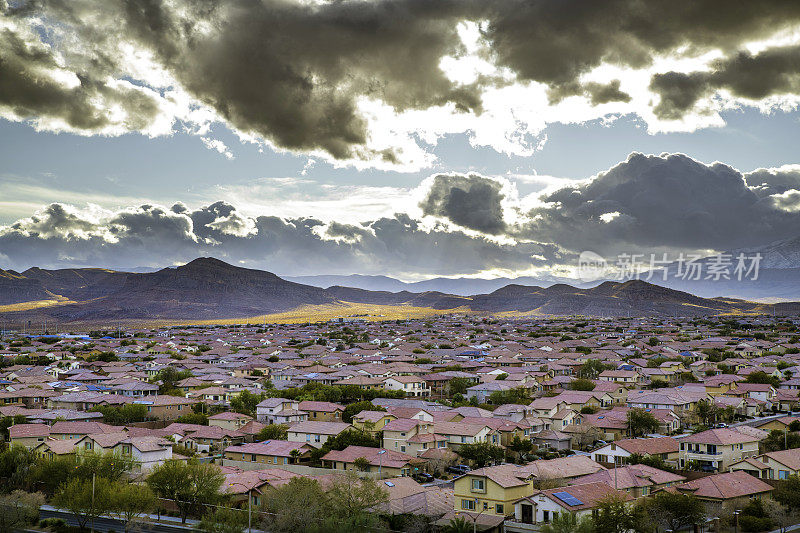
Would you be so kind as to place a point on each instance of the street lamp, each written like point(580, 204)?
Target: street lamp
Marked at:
point(736, 520)
point(249, 504)
point(380, 463)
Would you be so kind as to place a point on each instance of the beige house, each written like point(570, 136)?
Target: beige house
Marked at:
point(229, 420)
point(736, 489)
point(771, 465)
point(411, 436)
point(316, 433)
point(413, 386)
point(716, 449)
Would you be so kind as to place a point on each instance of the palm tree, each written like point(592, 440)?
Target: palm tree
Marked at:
point(457, 525)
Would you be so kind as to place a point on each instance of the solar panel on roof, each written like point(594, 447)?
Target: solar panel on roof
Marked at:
point(389, 483)
point(567, 498)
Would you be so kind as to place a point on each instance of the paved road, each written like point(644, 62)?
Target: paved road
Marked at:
point(759, 420)
point(106, 524)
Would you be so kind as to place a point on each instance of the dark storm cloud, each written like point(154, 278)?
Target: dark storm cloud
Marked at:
point(154, 236)
point(470, 201)
point(289, 72)
point(768, 181)
point(669, 201)
point(775, 71)
point(30, 89)
point(597, 93)
point(293, 72)
point(553, 41)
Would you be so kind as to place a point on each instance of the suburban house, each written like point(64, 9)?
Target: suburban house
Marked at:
point(619, 451)
point(387, 463)
point(279, 411)
point(771, 465)
point(148, 452)
point(733, 488)
point(411, 436)
point(716, 449)
point(229, 420)
point(491, 490)
point(269, 452)
point(413, 386)
point(484, 489)
point(165, 407)
point(458, 434)
point(628, 378)
point(372, 421)
point(543, 506)
point(322, 411)
point(316, 433)
point(636, 480)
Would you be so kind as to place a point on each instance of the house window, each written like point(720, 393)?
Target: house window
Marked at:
point(498, 508)
point(253, 458)
point(783, 474)
point(469, 505)
point(478, 485)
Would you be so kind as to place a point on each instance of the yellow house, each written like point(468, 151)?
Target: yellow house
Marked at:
point(771, 465)
point(779, 424)
point(491, 490)
point(372, 421)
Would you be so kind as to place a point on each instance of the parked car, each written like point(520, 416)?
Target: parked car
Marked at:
point(422, 477)
point(458, 469)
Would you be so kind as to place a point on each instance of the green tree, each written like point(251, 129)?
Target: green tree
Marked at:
point(517, 395)
point(8, 421)
point(223, 520)
point(779, 440)
point(273, 432)
point(168, 378)
point(520, 446)
point(787, 492)
point(675, 511)
point(350, 495)
point(640, 423)
point(131, 501)
point(763, 378)
point(193, 418)
point(362, 464)
point(458, 525)
point(592, 368)
point(569, 523)
point(245, 402)
point(16, 465)
point(189, 484)
point(297, 506)
point(19, 509)
point(582, 384)
point(85, 498)
point(481, 453)
point(459, 386)
point(123, 414)
point(614, 515)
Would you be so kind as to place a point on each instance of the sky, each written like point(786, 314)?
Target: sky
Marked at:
point(408, 138)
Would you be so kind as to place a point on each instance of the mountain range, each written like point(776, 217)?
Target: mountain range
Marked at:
point(209, 289)
point(778, 279)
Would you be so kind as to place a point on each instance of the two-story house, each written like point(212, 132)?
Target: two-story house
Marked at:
point(716, 449)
